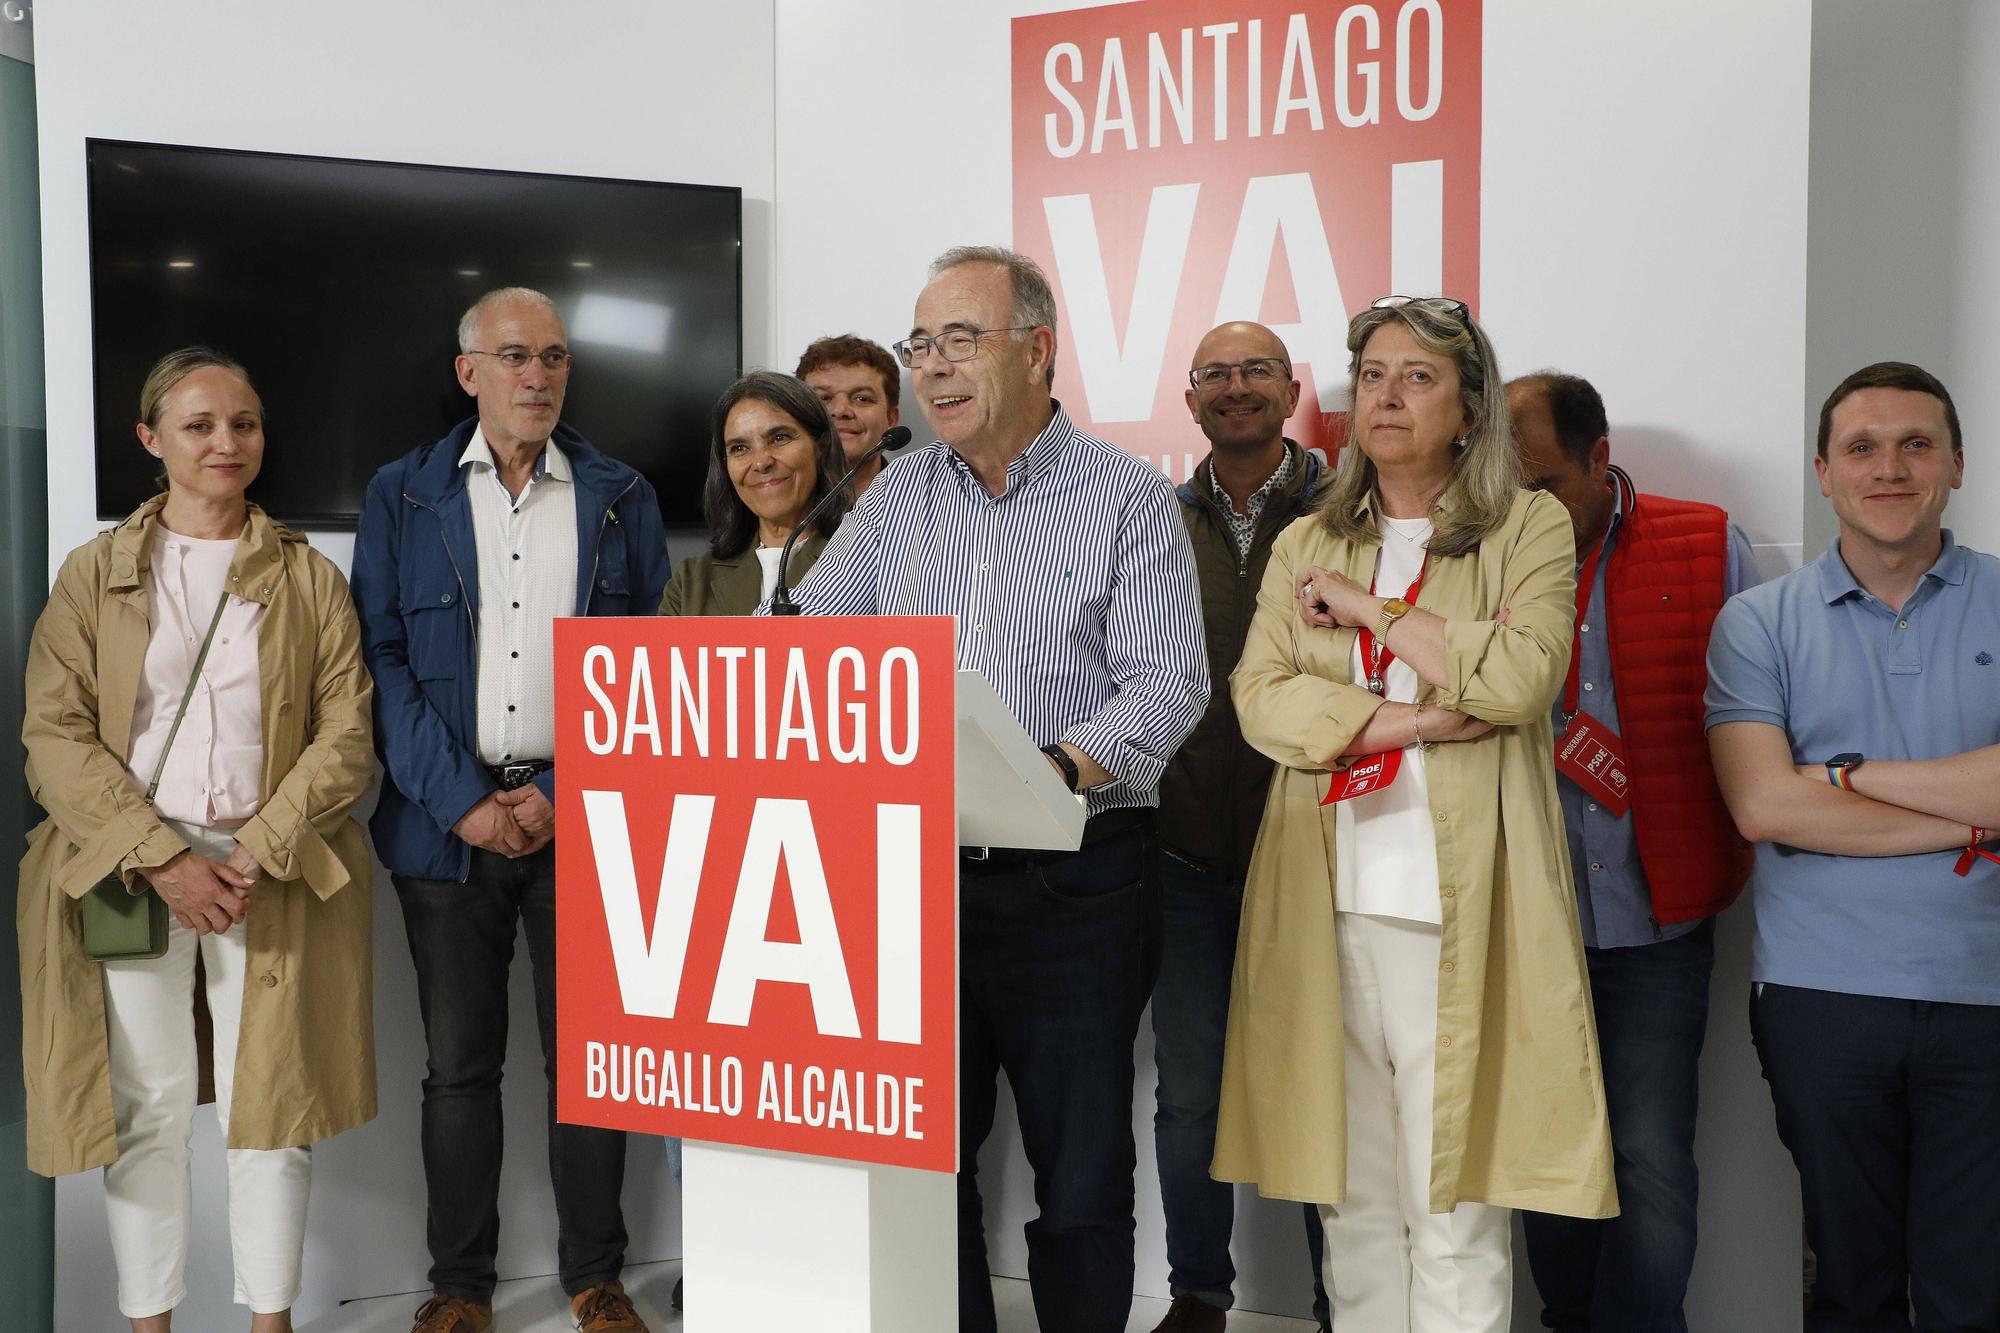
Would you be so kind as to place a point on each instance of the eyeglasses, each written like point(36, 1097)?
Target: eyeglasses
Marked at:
point(553, 359)
point(1458, 310)
point(1257, 371)
point(954, 345)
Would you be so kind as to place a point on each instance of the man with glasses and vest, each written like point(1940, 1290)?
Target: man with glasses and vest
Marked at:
point(1252, 484)
point(1854, 715)
point(468, 549)
point(1653, 848)
point(1070, 574)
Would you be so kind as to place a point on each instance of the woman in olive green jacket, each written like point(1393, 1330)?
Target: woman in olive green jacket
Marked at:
point(773, 454)
point(1410, 1038)
point(263, 868)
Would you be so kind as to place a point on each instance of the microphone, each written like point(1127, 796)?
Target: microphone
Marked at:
point(781, 597)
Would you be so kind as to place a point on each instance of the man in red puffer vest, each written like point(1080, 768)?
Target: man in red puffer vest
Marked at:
point(1655, 852)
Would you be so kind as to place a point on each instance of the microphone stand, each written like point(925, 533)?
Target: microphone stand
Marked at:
point(781, 595)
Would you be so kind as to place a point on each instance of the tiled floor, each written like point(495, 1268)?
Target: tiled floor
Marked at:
point(535, 1305)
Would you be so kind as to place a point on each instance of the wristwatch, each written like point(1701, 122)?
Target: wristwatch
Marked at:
point(1840, 769)
point(1393, 610)
point(1065, 763)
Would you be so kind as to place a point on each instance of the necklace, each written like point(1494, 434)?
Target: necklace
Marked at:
point(1420, 534)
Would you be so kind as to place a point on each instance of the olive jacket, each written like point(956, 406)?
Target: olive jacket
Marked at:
point(1519, 1113)
point(714, 585)
point(305, 1063)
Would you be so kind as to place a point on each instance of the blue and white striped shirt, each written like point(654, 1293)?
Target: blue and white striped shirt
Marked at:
point(1074, 590)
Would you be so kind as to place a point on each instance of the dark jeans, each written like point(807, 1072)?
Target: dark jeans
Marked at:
point(1055, 963)
point(1630, 1273)
point(1190, 1017)
point(1891, 1109)
point(462, 939)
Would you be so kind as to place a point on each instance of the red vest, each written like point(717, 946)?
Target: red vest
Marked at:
point(1664, 587)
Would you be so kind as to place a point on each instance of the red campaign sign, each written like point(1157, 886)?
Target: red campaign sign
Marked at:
point(1179, 164)
point(756, 893)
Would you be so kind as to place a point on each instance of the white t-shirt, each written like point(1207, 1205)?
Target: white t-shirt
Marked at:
point(1385, 851)
point(767, 556)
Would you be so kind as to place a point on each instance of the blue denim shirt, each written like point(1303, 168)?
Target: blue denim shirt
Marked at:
point(1613, 902)
point(1815, 654)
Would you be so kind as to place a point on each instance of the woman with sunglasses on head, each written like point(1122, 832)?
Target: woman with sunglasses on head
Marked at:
point(773, 454)
point(198, 731)
point(1410, 1041)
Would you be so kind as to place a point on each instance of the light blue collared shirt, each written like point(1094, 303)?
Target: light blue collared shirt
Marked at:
point(1816, 654)
point(1614, 903)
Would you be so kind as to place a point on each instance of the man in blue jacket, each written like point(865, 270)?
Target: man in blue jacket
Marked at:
point(467, 551)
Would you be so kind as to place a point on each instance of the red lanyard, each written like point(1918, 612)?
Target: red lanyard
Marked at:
point(1974, 852)
point(1586, 579)
point(1376, 657)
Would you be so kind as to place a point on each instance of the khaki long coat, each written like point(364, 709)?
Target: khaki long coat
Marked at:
point(1519, 1116)
point(305, 1062)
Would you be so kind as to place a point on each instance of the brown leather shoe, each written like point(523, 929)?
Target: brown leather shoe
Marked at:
point(604, 1309)
point(449, 1314)
point(1192, 1314)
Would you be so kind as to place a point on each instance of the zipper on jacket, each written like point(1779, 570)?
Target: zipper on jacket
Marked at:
point(597, 550)
point(463, 600)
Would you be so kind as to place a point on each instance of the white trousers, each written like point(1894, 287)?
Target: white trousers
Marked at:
point(1392, 1265)
point(154, 1082)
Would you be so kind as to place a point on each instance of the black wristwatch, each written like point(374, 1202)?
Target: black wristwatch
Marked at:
point(1840, 769)
point(1065, 763)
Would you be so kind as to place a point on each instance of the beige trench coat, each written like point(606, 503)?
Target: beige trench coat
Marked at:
point(1519, 1116)
point(305, 1063)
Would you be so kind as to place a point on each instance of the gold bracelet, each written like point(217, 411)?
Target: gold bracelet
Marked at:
point(1417, 728)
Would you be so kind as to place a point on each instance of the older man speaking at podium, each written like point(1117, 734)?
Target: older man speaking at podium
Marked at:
point(1068, 567)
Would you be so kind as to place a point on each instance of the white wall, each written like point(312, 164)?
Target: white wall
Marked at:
point(1644, 171)
point(647, 89)
point(1899, 252)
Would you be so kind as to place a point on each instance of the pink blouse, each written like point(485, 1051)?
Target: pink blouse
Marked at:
point(215, 768)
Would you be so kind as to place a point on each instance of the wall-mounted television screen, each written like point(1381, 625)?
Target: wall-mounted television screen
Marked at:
point(339, 285)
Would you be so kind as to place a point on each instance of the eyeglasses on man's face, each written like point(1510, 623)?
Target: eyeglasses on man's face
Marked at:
point(952, 345)
point(1257, 371)
point(516, 359)
point(1458, 310)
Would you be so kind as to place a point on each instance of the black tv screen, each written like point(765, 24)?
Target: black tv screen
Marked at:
point(339, 285)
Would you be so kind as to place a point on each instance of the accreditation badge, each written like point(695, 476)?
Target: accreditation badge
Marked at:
point(1371, 772)
point(1590, 754)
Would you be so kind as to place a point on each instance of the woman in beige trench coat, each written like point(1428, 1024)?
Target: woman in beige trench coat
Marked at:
point(1410, 1039)
point(249, 842)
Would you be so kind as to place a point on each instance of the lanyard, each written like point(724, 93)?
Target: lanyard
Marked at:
point(1586, 580)
point(1973, 853)
point(1376, 657)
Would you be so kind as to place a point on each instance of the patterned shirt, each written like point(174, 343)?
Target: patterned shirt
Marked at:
point(1243, 527)
point(1074, 590)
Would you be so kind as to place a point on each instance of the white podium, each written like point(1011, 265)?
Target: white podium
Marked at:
point(774, 1242)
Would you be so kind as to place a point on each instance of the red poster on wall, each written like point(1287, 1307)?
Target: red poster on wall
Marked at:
point(757, 883)
point(1179, 164)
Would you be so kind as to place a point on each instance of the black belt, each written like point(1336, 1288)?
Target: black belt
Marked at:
point(510, 776)
point(1014, 860)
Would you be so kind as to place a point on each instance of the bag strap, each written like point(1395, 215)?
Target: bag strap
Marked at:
point(153, 787)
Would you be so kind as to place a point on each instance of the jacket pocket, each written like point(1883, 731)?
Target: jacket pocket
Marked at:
point(434, 621)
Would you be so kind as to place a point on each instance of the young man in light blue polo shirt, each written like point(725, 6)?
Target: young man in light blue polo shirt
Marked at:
point(1853, 710)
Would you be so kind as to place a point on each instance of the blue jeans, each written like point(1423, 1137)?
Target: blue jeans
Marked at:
point(1190, 1018)
point(1630, 1273)
point(1055, 962)
point(462, 941)
point(1891, 1109)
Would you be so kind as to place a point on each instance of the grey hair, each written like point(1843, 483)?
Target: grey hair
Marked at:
point(468, 323)
point(1485, 471)
point(1034, 299)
